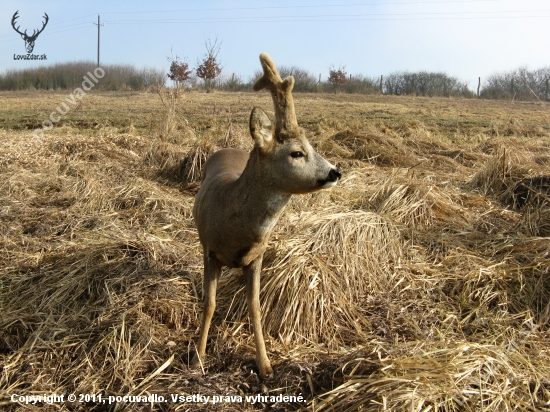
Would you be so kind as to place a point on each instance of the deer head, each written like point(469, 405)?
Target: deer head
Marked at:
point(291, 165)
point(29, 40)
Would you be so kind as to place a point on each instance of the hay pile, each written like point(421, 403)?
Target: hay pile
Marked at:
point(316, 277)
point(418, 283)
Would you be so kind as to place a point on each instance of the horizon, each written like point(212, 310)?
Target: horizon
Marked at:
point(465, 39)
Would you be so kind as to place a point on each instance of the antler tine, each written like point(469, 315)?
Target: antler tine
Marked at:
point(46, 22)
point(15, 16)
point(13, 19)
point(43, 25)
point(281, 92)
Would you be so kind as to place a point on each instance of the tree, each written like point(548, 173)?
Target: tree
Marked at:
point(210, 68)
point(179, 71)
point(337, 77)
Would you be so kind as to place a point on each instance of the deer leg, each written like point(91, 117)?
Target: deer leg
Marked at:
point(212, 271)
point(252, 275)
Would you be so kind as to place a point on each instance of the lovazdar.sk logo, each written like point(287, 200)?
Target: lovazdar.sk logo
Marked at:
point(29, 40)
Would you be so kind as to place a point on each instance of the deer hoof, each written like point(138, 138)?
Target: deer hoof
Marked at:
point(265, 371)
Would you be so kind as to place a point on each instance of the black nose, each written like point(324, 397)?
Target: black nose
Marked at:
point(334, 175)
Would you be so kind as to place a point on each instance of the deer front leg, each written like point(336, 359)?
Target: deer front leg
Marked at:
point(252, 276)
point(212, 271)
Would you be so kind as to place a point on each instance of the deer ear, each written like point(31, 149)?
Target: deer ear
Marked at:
point(261, 129)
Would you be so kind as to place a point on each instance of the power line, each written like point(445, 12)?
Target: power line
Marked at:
point(13, 37)
point(55, 26)
point(341, 15)
point(461, 15)
point(320, 18)
point(76, 18)
point(308, 6)
point(274, 19)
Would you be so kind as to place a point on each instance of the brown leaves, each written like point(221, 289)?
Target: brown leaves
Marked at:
point(337, 76)
point(179, 71)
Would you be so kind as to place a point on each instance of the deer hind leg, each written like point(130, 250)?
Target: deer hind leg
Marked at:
point(212, 271)
point(252, 276)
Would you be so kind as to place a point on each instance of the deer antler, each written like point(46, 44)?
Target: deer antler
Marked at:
point(281, 92)
point(34, 36)
point(15, 17)
point(25, 35)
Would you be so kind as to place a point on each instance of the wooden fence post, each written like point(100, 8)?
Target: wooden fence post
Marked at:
point(478, 85)
point(382, 79)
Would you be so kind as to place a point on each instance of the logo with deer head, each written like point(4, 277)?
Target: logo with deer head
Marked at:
point(29, 40)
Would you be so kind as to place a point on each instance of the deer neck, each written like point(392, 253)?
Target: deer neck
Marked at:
point(261, 202)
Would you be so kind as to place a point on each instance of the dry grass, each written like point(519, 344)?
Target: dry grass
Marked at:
point(312, 294)
point(416, 284)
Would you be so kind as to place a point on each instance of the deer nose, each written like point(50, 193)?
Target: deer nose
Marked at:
point(334, 175)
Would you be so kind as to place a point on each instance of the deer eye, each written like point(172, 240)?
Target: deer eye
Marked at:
point(296, 155)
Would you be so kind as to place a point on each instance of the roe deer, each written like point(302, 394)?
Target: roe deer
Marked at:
point(243, 194)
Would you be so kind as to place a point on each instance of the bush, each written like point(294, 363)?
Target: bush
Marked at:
point(233, 83)
point(520, 84)
point(361, 84)
point(66, 76)
point(209, 68)
point(425, 84)
point(337, 77)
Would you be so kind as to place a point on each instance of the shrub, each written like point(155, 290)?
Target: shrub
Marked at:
point(210, 68)
point(63, 76)
point(425, 84)
point(519, 84)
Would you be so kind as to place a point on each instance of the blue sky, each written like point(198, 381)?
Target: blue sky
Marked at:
point(464, 38)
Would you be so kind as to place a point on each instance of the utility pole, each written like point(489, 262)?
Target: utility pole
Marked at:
point(98, 24)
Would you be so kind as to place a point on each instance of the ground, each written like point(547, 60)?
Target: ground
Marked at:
point(418, 283)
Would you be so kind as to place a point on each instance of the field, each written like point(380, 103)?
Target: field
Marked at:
point(420, 283)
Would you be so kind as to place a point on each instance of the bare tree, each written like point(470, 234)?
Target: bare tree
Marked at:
point(210, 67)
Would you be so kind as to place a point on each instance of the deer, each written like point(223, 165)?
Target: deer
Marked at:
point(29, 40)
point(243, 194)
